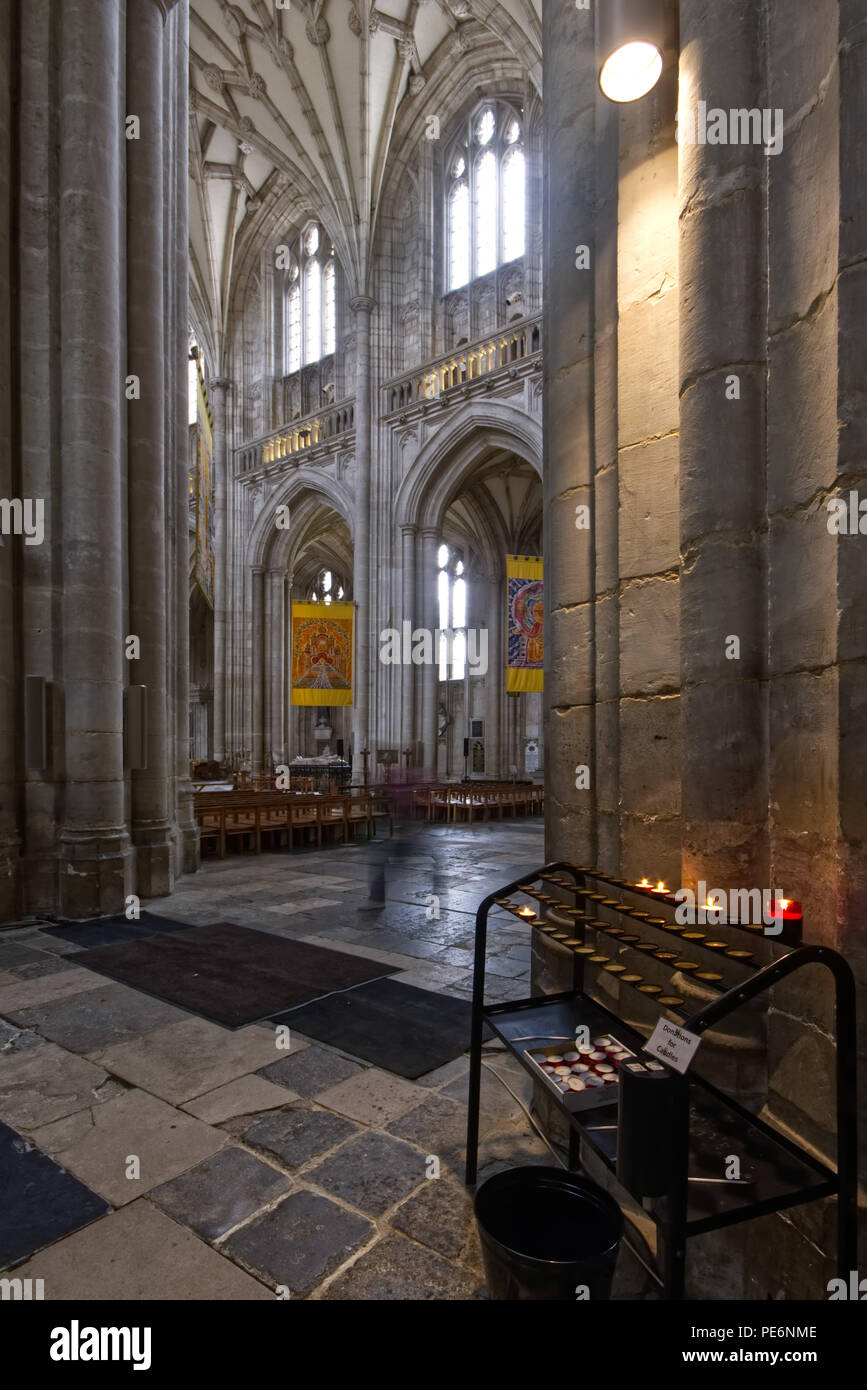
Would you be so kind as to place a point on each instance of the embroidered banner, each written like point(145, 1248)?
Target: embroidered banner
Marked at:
point(322, 647)
point(524, 622)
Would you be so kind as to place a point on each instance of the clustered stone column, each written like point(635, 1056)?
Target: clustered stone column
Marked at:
point(9, 671)
point(427, 598)
point(146, 420)
point(99, 221)
point(569, 143)
point(257, 685)
point(494, 677)
point(362, 307)
point(218, 388)
point(408, 591)
point(94, 841)
point(722, 501)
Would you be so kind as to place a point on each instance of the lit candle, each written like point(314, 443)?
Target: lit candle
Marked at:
point(786, 910)
point(526, 912)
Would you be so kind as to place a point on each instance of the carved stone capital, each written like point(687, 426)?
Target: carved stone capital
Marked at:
point(362, 304)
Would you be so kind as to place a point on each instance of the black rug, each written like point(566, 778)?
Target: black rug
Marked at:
point(110, 931)
point(41, 1203)
point(399, 1028)
point(231, 975)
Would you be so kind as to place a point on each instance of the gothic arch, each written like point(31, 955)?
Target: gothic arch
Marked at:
point(266, 545)
point(448, 457)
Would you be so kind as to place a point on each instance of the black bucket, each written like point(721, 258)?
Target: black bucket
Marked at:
point(547, 1234)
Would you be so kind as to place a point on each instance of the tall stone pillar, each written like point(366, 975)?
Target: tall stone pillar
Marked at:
point(257, 682)
point(9, 672)
point(94, 845)
point(426, 601)
point(146, 424)
point(568, 342)
point(218, 388)
point(266, 670)
point(722, 409)
point(276, 665)
point(178, 45)
point(407, 589)
point(495, 679)
point(362, 307)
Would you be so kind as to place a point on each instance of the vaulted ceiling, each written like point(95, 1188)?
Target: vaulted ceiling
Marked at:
point(298, 105)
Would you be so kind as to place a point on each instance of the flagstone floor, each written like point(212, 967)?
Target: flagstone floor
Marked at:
point(192, 1162)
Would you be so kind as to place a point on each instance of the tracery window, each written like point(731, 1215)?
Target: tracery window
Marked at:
point(485, 194)
point(452, 596)
point(309, 301)
point(326, 589)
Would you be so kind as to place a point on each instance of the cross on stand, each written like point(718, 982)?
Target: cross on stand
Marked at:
point(407, 753)
point(365, 753)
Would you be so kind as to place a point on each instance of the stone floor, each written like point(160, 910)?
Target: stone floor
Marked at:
point(225, 1167)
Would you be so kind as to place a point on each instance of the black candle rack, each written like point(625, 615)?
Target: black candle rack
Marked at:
point(735, 963)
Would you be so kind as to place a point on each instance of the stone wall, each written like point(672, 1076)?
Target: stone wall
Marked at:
point(703, 401)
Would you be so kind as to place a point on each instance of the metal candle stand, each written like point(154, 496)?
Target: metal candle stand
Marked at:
point(696, 1199)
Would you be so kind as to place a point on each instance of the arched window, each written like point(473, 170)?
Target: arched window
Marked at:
point(327, 588)
point(309, 301)
point(485, 194)
point(452, 596)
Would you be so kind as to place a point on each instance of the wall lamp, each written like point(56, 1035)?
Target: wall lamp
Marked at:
point(632, 39)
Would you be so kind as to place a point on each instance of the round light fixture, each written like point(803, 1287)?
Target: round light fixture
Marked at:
point(632, 36)
point(631, 71)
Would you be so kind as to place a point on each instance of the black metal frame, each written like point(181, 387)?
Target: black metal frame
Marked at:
point(672, 1217)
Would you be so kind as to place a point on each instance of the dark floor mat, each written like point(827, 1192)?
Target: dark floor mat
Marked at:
point(41, 1203)
point(400, 1028)
point(111, 931)
point(231, 975)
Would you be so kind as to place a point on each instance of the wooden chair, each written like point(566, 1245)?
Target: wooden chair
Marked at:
point(243, 821)
point(211, 827)
point(304, 817)
point(331, 815)
point(358, 812)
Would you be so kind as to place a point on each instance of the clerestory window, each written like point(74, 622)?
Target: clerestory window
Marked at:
point(485, 193)
point(309, 300)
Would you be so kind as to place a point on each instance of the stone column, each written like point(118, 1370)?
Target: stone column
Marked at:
point(362, 307)
point(266, 668)
point(257, 682)
point(9, 672)
point(146, 421)
point(495, 679)
point(218, 388)
point(94, 846)
point(568, 342)
point(407, 589)
point(426, 601)
point(178, 44)
point(722, 408)
point(276, 664)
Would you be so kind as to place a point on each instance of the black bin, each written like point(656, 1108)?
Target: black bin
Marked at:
point(545, 1232)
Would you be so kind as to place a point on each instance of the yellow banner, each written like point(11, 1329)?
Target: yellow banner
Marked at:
point(524, 622)
point(322, 650)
